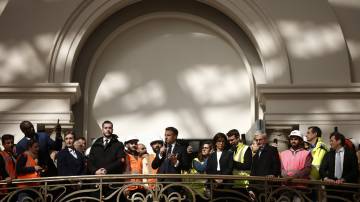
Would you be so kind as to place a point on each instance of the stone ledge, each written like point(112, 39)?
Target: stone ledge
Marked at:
point(71, 90)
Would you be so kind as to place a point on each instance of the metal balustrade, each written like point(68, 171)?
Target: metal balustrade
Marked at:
point(174, 188)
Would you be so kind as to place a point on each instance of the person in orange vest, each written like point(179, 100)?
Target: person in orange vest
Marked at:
point(133, 166)
point(7, 162)
point(147, 161)
point(8, 155)
point(27, 167)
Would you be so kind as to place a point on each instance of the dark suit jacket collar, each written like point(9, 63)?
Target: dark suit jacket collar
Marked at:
point(113, 138)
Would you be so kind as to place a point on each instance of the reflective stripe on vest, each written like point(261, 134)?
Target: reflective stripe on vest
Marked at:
point(9, 164)
point(198, 185)
point(318, 154)
point(239, 156)
point(240, 152)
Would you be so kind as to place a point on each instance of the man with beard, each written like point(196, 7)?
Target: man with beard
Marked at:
point(242, 158)
point(133, 165)
point(106, 155)
point(46, 144)
point(148, 159)
point(295, 162)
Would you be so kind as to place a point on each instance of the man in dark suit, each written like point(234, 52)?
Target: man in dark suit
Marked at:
point(266, 161)
point(339, 165)
point(106, 156)
point(70, 162)
point(172, 158)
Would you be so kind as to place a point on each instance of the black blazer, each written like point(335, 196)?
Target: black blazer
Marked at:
point(268, 163)
point(110, 157)
point(226, 163)
point(350, 171)
point(165, 167)
point(68, 165)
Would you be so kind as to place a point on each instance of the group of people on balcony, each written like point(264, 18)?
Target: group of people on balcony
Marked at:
point(36, 155)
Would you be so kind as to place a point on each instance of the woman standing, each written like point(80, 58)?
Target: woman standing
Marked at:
point(220, 162)
point(27, 167)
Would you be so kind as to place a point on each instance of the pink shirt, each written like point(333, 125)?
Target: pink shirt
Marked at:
point(295, 163)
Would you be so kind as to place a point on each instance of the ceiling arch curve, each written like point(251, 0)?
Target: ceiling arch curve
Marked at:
point(247, 15)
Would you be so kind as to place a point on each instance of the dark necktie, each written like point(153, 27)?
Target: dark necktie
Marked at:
point(106, 143)
point(260, 150)
point(169, 149)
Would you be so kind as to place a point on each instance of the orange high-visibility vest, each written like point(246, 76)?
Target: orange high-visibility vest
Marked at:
point(133, 166)
point(30, 162)
point(149, 170)
point(9, 164)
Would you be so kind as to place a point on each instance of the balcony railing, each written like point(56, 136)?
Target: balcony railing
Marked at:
point(174, 188)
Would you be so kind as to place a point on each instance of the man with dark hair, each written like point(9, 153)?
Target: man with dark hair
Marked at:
point(8, 159)
point(46, 145)
point(172, 157)
point(80, 145)
point(317, 148)
point(339, 164)
point(107, 153)
point(242, 158)
point(296, 161)
point(106, 156)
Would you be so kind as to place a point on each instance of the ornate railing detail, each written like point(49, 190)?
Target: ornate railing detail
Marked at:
point(173, 188)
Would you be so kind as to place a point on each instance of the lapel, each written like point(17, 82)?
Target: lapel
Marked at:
point(69, 154)
point(263, 152)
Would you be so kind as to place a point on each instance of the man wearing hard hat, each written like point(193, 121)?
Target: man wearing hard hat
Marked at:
point(296, 161)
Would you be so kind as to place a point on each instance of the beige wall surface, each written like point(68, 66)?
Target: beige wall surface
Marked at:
point(320, 41)
point(314, 40)
point(169, 72)
point(28, 33)
point(348, 14)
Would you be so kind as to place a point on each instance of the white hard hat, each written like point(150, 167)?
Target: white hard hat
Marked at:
point(130, 139)
point(296, 133)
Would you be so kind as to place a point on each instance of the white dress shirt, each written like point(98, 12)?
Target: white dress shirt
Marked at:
point(218, 156)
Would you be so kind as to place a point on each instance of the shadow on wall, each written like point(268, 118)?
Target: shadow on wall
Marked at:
point(348, 11)
point(176, 73)
point(26, 39)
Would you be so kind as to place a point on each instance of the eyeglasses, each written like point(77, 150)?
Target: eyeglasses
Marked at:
point(258, 140)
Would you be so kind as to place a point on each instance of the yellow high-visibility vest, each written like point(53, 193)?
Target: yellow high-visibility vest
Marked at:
point(239, 156)
point(318, 153)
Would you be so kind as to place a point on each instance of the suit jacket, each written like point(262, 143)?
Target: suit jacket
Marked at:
point(268, 163)
point(226, 163)
point(165, 167)
point(68, 165)
point(350, 172)
point(110, 157)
